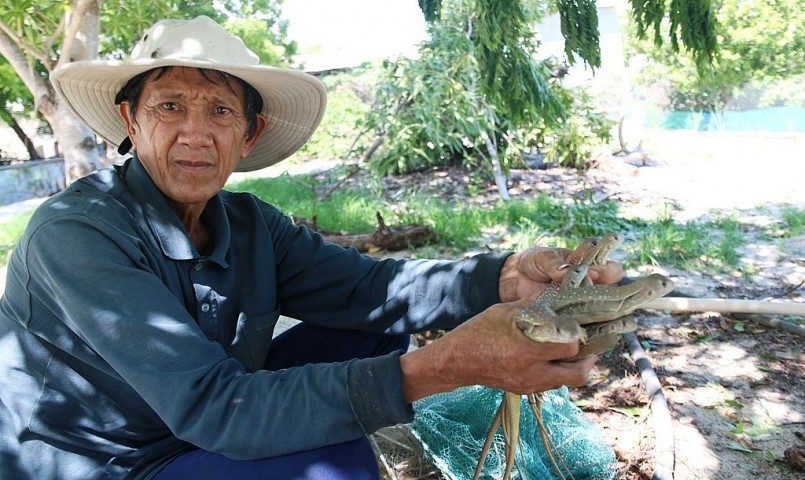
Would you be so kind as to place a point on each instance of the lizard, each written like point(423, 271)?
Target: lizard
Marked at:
point(573, 310)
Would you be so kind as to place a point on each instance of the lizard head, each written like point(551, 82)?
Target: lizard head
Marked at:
point(658, 285)
point(551, 329)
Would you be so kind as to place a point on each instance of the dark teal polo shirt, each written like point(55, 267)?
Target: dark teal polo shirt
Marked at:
point(124, 346)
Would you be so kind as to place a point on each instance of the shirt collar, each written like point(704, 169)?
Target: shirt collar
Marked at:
point(165, 224)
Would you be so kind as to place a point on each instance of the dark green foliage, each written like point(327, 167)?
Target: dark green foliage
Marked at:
point(504, 49)
point(426, 108)
point(476, 78)
point(571, 142)
point(691, 22)
point(431, 9)
point(760, 42)
point(579, 23)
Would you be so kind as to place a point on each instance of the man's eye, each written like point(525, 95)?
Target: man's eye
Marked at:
point(222, 110)
point(169, 106)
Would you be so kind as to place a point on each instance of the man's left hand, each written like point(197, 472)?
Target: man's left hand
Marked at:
point(527, 274)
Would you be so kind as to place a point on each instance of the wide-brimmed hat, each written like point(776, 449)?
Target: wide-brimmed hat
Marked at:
point(293, 101)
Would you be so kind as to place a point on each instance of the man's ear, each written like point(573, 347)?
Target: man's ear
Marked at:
point(125, 113)
point(251, 140)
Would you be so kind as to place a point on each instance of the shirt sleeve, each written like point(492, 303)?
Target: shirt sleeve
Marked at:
point(356, 291)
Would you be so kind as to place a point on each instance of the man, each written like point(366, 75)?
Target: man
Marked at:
point(142, 299)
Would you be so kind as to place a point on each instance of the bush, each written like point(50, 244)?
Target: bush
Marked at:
point(572, 142)
point(348, 103)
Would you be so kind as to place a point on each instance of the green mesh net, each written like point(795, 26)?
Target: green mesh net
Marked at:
point(452, 428)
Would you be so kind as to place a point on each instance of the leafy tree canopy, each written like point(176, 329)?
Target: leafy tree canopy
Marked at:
point(760, 41)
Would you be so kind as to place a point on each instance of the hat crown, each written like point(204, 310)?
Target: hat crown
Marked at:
point(200, 39)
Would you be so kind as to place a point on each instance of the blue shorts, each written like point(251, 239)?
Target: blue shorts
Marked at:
point(353, 460)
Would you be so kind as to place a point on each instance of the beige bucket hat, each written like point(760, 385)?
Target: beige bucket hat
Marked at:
point(293, 101)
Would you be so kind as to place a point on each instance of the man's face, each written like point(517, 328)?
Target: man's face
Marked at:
point(190, 131)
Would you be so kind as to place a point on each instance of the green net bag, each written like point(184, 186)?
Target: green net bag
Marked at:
point(452, 428)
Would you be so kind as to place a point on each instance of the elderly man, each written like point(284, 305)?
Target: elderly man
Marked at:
point(142, 300)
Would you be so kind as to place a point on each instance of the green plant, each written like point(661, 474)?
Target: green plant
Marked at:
point(474, 84)
point(426, 114)
point(703, 246)
point(794, 220)
point(572, 141)
point(10, 233)
point(348, 103)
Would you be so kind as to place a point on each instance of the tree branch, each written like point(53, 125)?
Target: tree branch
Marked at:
point(18, 47)
point(58, 31)
point(10, 48)
point(74, 25)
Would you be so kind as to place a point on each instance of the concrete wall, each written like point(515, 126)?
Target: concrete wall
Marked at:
point(26, 180)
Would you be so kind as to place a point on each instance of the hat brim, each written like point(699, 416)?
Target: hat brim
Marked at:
point(293, 101)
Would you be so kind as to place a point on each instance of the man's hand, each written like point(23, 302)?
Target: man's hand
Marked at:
point(527, 274)
point(490, 350)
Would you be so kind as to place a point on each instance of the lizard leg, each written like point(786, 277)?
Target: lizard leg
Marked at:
point(490, 437)
point(511, 429)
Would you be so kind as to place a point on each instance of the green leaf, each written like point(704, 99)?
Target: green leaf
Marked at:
point(629, 411)
point(738, 448)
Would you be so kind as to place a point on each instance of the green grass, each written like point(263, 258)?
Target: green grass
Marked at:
point(794, 220)
point(704, 246)
point(10, 233)
point(710, 245)
point(458, 225)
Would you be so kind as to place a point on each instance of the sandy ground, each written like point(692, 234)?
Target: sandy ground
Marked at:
point(736, 388)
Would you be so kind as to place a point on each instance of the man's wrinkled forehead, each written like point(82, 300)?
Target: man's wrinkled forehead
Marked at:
point(216, 77)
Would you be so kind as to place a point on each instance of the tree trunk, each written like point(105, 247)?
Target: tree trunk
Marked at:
point(497, 170)
point(76, 143)
point(24, 138)
point(494, 157)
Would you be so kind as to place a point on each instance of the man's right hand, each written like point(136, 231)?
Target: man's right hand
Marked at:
point(490, 350)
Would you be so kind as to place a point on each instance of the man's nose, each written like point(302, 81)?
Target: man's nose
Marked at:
point(197, 128)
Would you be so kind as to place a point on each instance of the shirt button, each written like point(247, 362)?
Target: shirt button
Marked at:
point(198, 266)
point(205, 307)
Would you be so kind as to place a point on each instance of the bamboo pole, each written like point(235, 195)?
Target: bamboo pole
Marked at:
point(664, 456)
point(727, 305)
